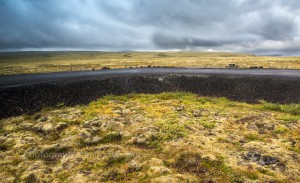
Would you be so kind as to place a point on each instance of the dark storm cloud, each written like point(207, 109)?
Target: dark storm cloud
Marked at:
point(165, 41)
point(223, 25)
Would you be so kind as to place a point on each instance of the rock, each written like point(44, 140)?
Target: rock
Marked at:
point(134, 166)
point(51, 148)
point(93, 141)
point(242, 141)
point(179, 108)
point(161, 79)
point(262, 131)
point(141, 141)
point(44, 128)
point(85, 134)
point(144, 139)
point(126, 111)
point(95, 123)
point(70, 140)
point(293, 142)
point(158, 171)
point(211, 134)
point(261, 160)
point(138, 141)
point(86, 124)
point(268, 160)
point(112, 137)
point(110, 176)
point(251, 126)
point(38, 128)
point(29, 178)
point(118, 111)
point(61, 126)
point(150, 135)
point(200, 112)
point(269, 127)
point(132, 140)
point(110, 147)
point(37, 116)
point(252, 156)
point(71, 114)
point(111, 125)
point(26, 125)
point(197, 113)
point(93, 130)
point(282, 167)
point(260, 125)
point(47, 128)
point(155, 162)
point(43, 119)
point(123, 112)
point(2, 139)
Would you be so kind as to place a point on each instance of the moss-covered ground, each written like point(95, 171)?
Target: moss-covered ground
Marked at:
point(167, 137)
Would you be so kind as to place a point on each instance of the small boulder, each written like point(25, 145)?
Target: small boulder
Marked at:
point(161, 79)
point(93, 141)
point(48, 128)
point(43, 119)
point(158, 171)
point(85, 134)
point(2, 139)
point(200, 112)
point(134, 166)
point(26, 125)
point(155, 162)
point(261, 160)
point(179, 108)
point(44, 128)
point(61, 126)
point(141, 140)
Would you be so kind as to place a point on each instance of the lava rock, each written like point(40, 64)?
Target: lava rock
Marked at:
point(268, 160)
point(134, 166)
point(261, 160)
point(252, 156)
point(61, 126)
point(43, 119)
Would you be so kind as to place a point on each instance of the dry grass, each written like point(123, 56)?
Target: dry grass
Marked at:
point(43, 62)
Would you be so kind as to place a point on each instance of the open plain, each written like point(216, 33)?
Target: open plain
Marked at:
point(45, 62)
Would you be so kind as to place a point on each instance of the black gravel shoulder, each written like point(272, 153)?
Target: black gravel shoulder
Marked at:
point(29, 93)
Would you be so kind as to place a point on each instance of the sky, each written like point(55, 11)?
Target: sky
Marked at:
point(251, 26)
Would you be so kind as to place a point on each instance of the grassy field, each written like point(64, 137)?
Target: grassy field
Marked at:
point(167, 137)
point(43, 62)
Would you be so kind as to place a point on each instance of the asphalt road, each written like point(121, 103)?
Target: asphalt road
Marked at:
point(30, 79)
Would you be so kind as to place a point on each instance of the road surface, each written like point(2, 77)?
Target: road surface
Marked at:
point(30, 79)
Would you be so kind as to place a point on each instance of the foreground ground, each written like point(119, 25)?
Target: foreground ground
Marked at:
point(168, 137)
point(43, 62)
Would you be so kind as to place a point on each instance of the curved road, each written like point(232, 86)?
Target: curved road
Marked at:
point(29, 79)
